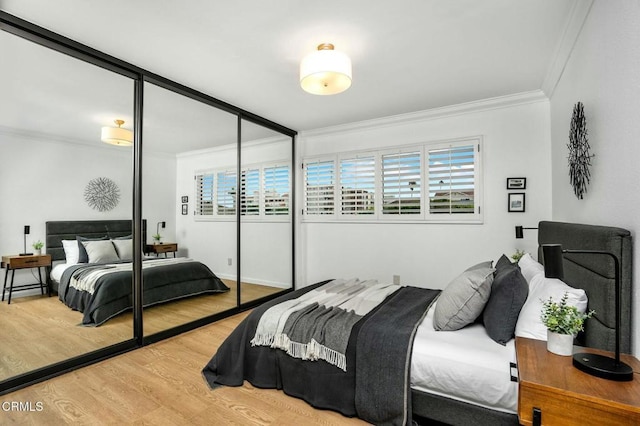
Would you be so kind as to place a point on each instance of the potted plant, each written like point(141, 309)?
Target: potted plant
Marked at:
point(157, 238)
point(517, 255)
point(37, 247)
point(563, 323)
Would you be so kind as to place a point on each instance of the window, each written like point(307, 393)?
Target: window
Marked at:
point(429, 182)
point(264, 193)
point(452, 180)
point(401, 183)
point(357, 181)
point(226, 192)
point(319, 187)
point(276, 190)
point(250, 192)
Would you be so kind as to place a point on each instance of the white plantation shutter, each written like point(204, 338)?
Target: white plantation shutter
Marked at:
point(250, 192)
point(452, 179)
point(319, 187)
point(204, 194)
point(226, 190)
point(276, 190)
point(357, 182)
point(401, 183)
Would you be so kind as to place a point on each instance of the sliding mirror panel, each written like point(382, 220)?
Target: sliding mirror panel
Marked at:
point(60, 181)
point(265, 212)
point(189, 183)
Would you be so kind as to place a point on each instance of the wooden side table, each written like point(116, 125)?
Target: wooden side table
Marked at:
point(13, 262)
point(162, 248)
point(553, 392)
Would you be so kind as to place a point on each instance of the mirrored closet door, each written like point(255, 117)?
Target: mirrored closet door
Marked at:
point(265, 212)
point(189, 200)
point(54, 167)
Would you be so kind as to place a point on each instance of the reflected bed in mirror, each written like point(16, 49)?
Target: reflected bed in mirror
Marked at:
point(96, 277)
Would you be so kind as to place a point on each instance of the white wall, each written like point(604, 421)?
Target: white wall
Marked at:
point(516, 143)
point(44, 180)
point(603, 72)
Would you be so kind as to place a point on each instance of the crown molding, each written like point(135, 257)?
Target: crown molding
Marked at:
point(47, 137)
point(434, 113)
point(573, 28)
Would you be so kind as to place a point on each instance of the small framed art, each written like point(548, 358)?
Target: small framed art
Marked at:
point(516, 202)
point(517, 183)
point(185, 198)
point(185, 209)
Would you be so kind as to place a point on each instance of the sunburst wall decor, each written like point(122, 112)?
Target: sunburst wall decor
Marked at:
point(579, 156)
point(102, 194)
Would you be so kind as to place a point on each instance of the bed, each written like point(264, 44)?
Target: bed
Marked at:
point(98, 282)
point(426, 374)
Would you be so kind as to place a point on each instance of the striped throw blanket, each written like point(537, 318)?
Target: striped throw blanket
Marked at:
point(317, 325)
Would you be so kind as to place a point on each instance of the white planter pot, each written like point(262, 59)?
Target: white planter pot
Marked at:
point(559, 344)
point(37, 252)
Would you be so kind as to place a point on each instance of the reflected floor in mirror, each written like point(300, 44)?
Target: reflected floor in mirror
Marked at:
point(38, 331)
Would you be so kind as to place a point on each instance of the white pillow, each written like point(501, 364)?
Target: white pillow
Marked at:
point(540, 289)
point(124, 248)
point(100, 251)
point(71, 251)
point(529, 267)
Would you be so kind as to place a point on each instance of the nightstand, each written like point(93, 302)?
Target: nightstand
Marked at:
point(162, 248)
point(553, 392)
point(13, 262)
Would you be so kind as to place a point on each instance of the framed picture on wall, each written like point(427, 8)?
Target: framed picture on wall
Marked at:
point(185, 209)
point(517, 183)
point(516, 202)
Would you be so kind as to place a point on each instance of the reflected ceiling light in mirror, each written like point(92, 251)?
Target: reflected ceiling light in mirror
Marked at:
point(117, 135)
point(325, 71)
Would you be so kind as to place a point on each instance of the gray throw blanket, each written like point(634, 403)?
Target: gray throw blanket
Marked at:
point(317, 325)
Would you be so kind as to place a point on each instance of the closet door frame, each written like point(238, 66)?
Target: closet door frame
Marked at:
point(49, 39)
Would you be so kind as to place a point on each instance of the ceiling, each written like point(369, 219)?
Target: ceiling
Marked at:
point(408, 55)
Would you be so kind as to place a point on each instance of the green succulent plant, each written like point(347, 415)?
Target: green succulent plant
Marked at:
point(517, 255)
point(563, 318)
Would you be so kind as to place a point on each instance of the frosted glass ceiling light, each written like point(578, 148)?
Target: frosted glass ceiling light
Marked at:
point(117, 135)
point(326, 71)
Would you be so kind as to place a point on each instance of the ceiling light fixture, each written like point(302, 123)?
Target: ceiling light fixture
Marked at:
point(325, 71)
point(117, 135)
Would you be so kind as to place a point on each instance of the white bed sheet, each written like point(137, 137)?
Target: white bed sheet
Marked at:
point(465, 365)
point(58, 270)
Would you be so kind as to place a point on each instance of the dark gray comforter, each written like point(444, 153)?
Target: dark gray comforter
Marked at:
point(376, 389)
point(112, 292)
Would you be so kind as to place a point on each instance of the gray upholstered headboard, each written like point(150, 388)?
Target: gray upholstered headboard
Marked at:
point(57, 231)
point(595, 274)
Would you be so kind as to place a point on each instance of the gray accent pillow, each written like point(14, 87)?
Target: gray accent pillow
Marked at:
point(509, 291)
point(464, 298)
point(124, 248)
point(100, 251)
point(82, 252)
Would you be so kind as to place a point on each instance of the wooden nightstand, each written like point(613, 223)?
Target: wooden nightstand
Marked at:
point(564, 395)
point(13, 262)
point(162, 248)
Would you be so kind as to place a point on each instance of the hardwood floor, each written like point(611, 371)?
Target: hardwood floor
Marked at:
point(162, 384)
point(36, 331)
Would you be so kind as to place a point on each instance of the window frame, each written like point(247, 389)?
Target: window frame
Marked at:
point(425, 216)
point(262, 216)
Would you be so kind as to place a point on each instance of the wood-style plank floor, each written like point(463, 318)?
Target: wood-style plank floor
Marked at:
point(161, 384)
point(36, 331)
